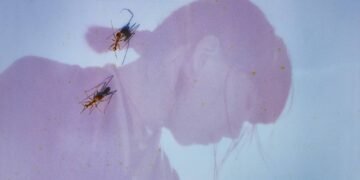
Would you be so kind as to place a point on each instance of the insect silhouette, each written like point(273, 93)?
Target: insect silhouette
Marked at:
point(100, 93)
point(123, 36)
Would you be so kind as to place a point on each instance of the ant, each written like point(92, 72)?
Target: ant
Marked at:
point(124, 34)
point(101, 94)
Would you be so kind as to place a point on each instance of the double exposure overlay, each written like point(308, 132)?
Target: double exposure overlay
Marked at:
point(203, 72)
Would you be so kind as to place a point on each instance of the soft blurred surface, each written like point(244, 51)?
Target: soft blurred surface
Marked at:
point(314, 138)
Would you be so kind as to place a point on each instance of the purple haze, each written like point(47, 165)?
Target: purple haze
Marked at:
point(208, 68)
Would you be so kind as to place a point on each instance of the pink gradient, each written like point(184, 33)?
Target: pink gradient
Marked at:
point(208, 68)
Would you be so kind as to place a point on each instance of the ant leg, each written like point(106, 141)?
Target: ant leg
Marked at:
point(111, 47)
point(103, 84)
point(109, 99)
point(115, 54)
point(83, 109)
point(134, 27)
point(127, 48)
point(89, 95)
point(97, 108)
point(91, 109)
point(100, 84)
point(107, 80)
point(107, 37)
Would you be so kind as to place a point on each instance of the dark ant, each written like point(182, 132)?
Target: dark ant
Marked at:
point(124, 34)
point(99, 95)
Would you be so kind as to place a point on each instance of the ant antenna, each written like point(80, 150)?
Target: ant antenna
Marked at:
point(112, 26)
point(131, 13)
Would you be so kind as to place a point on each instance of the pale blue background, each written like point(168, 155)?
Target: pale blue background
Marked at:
point(317, 136)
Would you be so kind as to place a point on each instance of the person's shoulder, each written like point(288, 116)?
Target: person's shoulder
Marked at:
point(32, 60)
point(38, 63)
point(33, 66)
point(30, 69)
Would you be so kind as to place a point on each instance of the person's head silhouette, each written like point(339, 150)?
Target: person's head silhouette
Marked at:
point(217, 64)
point(230, 68)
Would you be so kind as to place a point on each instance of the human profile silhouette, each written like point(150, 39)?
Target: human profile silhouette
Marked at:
point(203, 72)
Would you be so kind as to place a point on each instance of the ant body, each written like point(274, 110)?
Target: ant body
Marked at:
point(99, 95)
point(124, 34)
